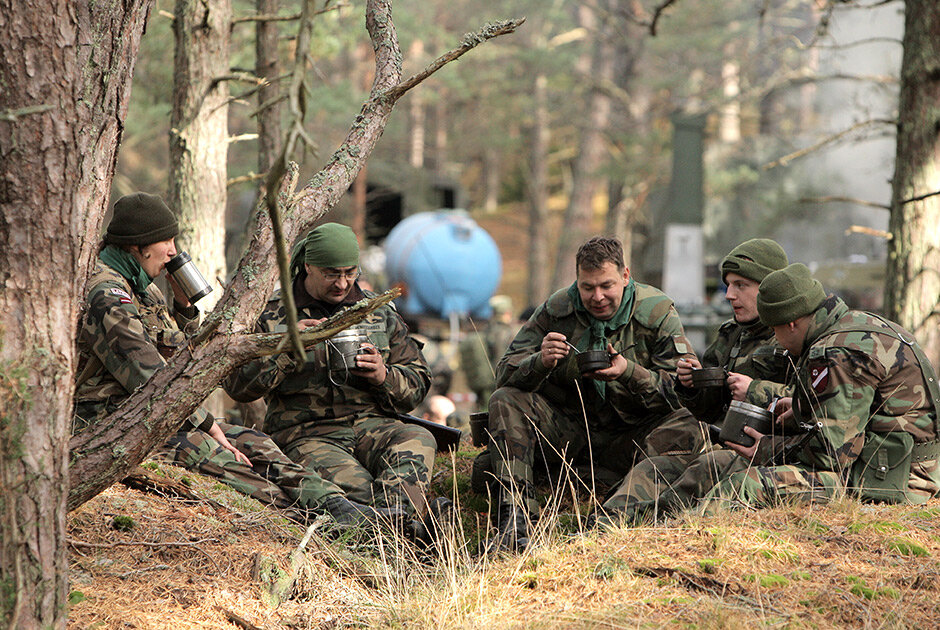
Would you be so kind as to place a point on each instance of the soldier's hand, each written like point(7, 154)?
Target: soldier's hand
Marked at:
point(784, 410)
point(747, 451)
point(738, 384)
point(219, 436)
point(684, 367)
point(618, 365)
point(304, 324)
point(370, 365)
point(554, 348)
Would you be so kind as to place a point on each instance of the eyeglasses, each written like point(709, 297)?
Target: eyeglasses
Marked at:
point(334, 276)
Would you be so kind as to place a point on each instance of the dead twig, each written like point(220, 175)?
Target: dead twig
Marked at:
point(786, 159)
point(146, 481)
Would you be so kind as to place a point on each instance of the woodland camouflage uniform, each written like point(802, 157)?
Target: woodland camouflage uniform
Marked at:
point(335, 422)
point(748, 349)
point(125, 338)
point(870, 406)
point(537, 412)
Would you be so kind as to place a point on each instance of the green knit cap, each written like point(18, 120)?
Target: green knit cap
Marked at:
point(141, 219)
point(327, 245)
point(788, 294)
point(754, 259)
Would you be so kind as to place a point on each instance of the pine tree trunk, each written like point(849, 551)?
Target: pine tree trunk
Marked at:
point(537, 287)
point(913, 279)
point(267, 64)
point(63, 102)
point(591, 150)
point(199, 134)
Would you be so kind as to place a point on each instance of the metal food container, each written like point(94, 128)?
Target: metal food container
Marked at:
point(741, 414)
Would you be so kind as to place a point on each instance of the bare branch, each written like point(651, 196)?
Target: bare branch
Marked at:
point(657, 12)
point(864, 229)
point(470, 41)
point(242, 179)
point(287, 18)
point(786, 159)
point(839, 199)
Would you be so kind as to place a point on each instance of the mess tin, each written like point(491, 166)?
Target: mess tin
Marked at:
point(342, 348)
point(479, 428)
point(741, 414)
point(708, 377)
point(592, 360)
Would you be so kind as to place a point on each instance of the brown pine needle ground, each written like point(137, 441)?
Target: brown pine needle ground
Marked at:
point(198, 566)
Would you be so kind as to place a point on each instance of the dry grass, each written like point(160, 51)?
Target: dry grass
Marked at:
point(186, 566)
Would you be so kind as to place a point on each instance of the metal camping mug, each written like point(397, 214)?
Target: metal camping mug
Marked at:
point(741, 414)
point(186, 274)
point(342, 348)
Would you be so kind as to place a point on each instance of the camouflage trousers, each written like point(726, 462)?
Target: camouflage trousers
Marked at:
point(525, 427)
point(377, 461)
point(272, 479)
point(718, 477)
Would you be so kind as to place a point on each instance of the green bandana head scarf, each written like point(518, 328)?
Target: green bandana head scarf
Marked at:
point(599, 328)
point(328, 245)
point(125, 264)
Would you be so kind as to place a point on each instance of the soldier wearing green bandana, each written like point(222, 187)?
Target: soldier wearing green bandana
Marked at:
point(126, 335)
point(862, 419)
point(343, 424)
point(544, 408)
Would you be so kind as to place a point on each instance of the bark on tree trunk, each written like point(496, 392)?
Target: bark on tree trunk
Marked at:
point(63, 104)
point(591, 149)
point(537, 287)
point(199, 134)
point(267, 64)
point(913, 279)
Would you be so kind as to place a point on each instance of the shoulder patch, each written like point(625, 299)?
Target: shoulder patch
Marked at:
point(122, 295)
point(818, 376)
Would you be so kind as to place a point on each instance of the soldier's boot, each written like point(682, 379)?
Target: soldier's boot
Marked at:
point(441, 522)
point(350, 513)
point(482, 477)
point(512, 532)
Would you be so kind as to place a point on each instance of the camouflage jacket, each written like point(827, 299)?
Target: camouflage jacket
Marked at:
point(480, 352)
point(857, 385)
point(313, 400)
point(652, 341)
point(125, 337)
point(751, 350)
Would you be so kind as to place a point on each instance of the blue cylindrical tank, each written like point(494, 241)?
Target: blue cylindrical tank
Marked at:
point(448, 263)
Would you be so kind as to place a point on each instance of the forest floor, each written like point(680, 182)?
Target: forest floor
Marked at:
point(141, 560)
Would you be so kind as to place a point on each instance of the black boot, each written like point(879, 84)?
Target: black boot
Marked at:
point(349, 513)
point(512, 531)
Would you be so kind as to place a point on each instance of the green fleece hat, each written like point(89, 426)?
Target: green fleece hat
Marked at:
point(754, 259)
point(788, 294)
point(141, 219)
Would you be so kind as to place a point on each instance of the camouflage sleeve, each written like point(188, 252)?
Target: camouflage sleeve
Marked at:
point(256, 378)
point(761, 392)
point(121, 343)
point(187, 318)
point(120, 339)
point(652, 385)
point(409, 376)
point(836, 389)
point(521, 366)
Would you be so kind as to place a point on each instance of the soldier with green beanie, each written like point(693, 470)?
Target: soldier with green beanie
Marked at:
point(755, 365)
point(126, 336)
point(864, 410)
point(343, 423)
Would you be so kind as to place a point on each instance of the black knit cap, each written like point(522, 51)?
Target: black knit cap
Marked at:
point(141, 219)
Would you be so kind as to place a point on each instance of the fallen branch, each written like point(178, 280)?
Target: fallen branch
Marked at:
point(145, 481)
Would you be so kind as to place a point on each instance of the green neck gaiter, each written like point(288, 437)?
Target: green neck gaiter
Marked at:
point(598, 328)
point(125, 264)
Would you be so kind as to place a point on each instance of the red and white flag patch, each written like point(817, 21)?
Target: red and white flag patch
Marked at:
point(819, 378)
point(122, 296)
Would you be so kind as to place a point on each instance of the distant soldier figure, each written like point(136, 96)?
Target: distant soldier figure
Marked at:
point(481, 351)
point(127, 332)
point(537, 408)
point(344, 425)
point(865, 399)
point(746, 348)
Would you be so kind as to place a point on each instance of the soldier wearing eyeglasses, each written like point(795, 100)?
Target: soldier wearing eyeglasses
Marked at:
point(342, 423)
